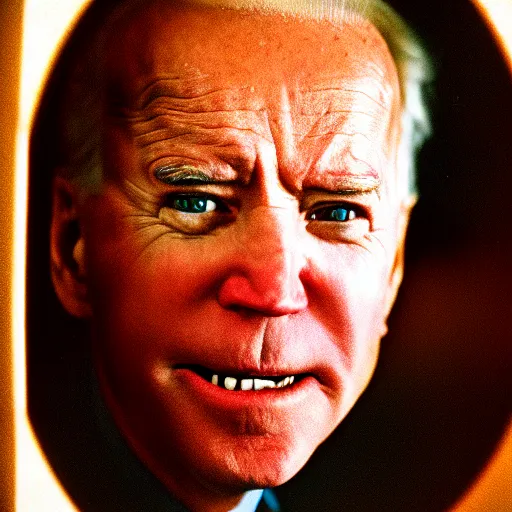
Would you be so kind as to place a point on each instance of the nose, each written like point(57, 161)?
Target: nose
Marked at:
point(268, 265)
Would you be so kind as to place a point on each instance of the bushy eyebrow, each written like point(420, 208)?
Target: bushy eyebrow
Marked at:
point(186, 175)
point(347, 186)
point(363, 190)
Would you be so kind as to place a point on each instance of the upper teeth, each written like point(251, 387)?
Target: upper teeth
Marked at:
point(229, 383)
point(248, 384)
point(262, 384)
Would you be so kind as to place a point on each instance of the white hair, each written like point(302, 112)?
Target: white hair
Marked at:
point(81, 133)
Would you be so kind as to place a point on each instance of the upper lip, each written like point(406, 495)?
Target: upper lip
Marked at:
point(242, 372)
point(208, 371)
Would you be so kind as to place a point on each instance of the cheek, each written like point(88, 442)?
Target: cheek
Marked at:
point(354, 283)
point(351, 307)
point(158, 302)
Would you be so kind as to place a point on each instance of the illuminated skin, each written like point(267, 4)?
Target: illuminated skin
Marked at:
point(249, 226)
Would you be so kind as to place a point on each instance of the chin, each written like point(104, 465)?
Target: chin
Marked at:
point(254, 464)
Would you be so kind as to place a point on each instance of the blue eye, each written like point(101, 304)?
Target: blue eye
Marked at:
point(191, 204)
point(334, 213)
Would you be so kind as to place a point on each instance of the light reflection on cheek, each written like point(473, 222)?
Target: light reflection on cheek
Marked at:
point(353, 305)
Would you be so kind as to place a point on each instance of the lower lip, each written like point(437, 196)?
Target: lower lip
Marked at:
point(221, 398)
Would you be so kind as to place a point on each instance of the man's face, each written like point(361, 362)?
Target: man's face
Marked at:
point(248, 230)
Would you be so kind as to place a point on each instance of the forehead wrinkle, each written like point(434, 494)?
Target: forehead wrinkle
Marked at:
point(367, 96)
point(379, 93)
point(344, 122)
point(239, 156)
point(175, 86)
point(217, 108)
point(204, 96)
point(235, 126)
point(339, 134)
point(209, 97)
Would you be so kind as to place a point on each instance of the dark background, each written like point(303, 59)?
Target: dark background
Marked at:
point(441, 395)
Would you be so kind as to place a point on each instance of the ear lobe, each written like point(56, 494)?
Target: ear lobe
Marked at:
point(397, 270)
point(67, 250)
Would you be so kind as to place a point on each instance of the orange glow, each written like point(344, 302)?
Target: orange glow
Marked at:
point(498, 14)
point(35, 482)
point(491, 492)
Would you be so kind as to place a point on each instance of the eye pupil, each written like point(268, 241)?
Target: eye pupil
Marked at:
point(198, 204)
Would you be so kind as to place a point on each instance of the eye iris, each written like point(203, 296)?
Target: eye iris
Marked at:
point(339, 214)
point(191, 204)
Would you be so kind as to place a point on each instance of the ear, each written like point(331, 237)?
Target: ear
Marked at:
point(397, 270)
point(67, 251)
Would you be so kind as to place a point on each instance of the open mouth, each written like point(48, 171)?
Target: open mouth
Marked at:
point(237, 382)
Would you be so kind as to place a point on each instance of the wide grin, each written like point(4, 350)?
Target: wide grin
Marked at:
point(246, 382)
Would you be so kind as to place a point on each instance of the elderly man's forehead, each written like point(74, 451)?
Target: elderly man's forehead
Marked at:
point(188, 41)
